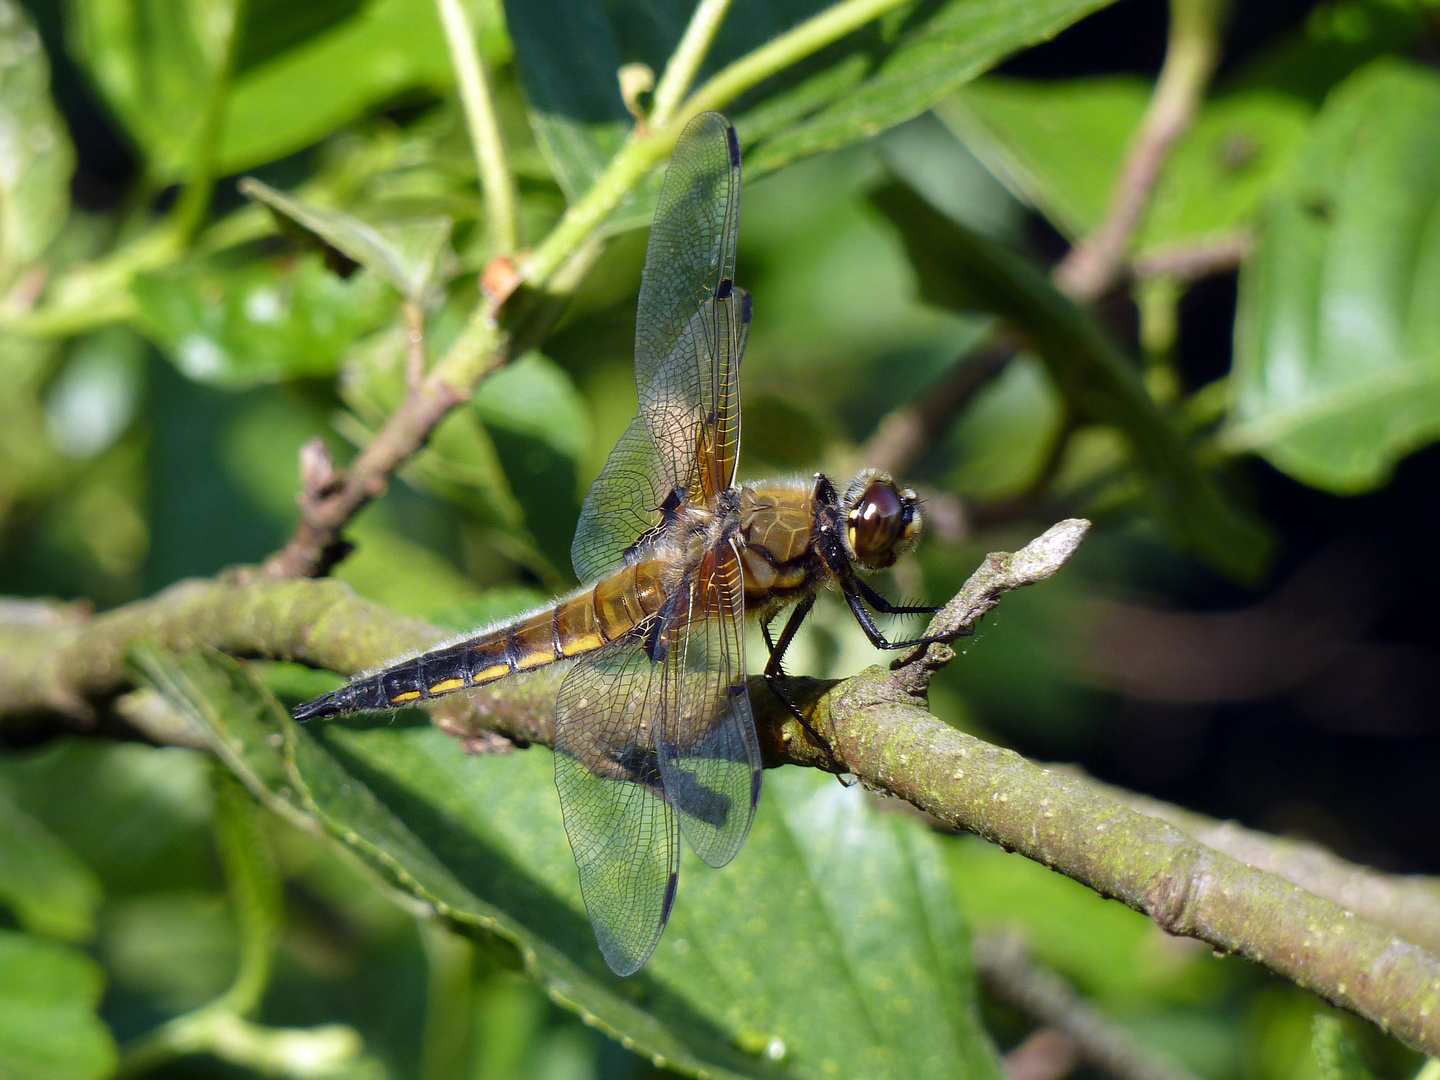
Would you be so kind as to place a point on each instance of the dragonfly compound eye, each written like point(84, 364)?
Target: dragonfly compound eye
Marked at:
point(877, 524)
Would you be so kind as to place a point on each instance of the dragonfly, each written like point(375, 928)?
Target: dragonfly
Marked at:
point(654, 734)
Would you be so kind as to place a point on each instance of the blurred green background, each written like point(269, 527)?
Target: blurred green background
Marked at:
point(1249, 630)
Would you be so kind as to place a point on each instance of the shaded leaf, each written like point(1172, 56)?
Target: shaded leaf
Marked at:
point(1337, 341)
point(958, 268)
point(48, 1026)
point(262, 321)
point(407, 254)
point(1059, 145)
point(271, 27)
point(41, 880)
point(831, 947)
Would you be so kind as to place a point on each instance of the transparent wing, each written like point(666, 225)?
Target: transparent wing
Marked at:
point(708, 755)
point(690, 333)
point(624, 834)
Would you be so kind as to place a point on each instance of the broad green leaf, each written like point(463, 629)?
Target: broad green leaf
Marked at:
point(1337, 340)
point(876, 78)
point(157, 63)
point(302, 70)
point(927, 61)
point(961, 269)
point(1001, 442)
point(260, 321)
point(831, 947)
point(48, 1026)
point(38, 156)
point(41, 880)
point(540, 427)
point(1059, 145)
point(407, 254)
point(310, 91)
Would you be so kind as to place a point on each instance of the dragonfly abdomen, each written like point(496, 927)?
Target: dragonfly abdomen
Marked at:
point(580, 623)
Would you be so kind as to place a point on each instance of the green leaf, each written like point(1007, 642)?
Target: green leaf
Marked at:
point(540, 427)
point(927, 62)
point(1059, 145)
point(304, 69)
point(1337, 342)
point(259, 321)
point(35, 182)
point(407, 254)
point(872, 80)
point(41, 880)
point(1335, 1054)
point(833, 945)
point(269, 28)
point(48, 1026)
point(390, 47)
point(961, 269)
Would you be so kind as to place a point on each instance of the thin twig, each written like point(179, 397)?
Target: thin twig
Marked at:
point(1011, 974)
point(497, 182)
point(685, 61)
point(1095, 264)
point(1190, 262)
point(414, 344)
point(903, 435)
point(1046, 1054)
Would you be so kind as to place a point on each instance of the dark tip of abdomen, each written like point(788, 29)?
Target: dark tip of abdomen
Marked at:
point(320, 708)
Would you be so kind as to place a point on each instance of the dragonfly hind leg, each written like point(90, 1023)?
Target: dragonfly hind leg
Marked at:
point(775, 676)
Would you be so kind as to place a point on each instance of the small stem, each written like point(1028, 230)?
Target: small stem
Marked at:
point(497, 182)
point(414, 344)
point(685, 61)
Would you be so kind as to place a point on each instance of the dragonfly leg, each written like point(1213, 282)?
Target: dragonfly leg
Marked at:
point(853, 597)
point(775, 675)
point(880, 604)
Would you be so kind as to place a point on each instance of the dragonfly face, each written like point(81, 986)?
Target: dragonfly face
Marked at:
point(654, 736)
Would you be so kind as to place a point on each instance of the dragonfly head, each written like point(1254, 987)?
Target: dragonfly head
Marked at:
point(882, 521)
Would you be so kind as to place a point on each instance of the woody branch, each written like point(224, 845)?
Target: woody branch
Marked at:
point(54, 659)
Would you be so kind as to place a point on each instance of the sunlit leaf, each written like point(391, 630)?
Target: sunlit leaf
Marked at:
point(961, 269)
point(38, 156)
point(48, 1027)
point(41, 880)
point(407, 254)
point(1337, 344)
point(1059, 145)
point(236, 324)
point(304, 70)
point(832, 946)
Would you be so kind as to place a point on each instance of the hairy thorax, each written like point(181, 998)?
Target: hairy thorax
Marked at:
point(775, 541)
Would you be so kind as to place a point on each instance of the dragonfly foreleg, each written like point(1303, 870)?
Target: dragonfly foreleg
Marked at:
point(850, 585)
point(775, 676)
point(885, 607)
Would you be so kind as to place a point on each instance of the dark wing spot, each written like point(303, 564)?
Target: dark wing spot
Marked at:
point(734, 147)
point(747, 308)
point(755, 789)
point(670, 888)
point(722, 291)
